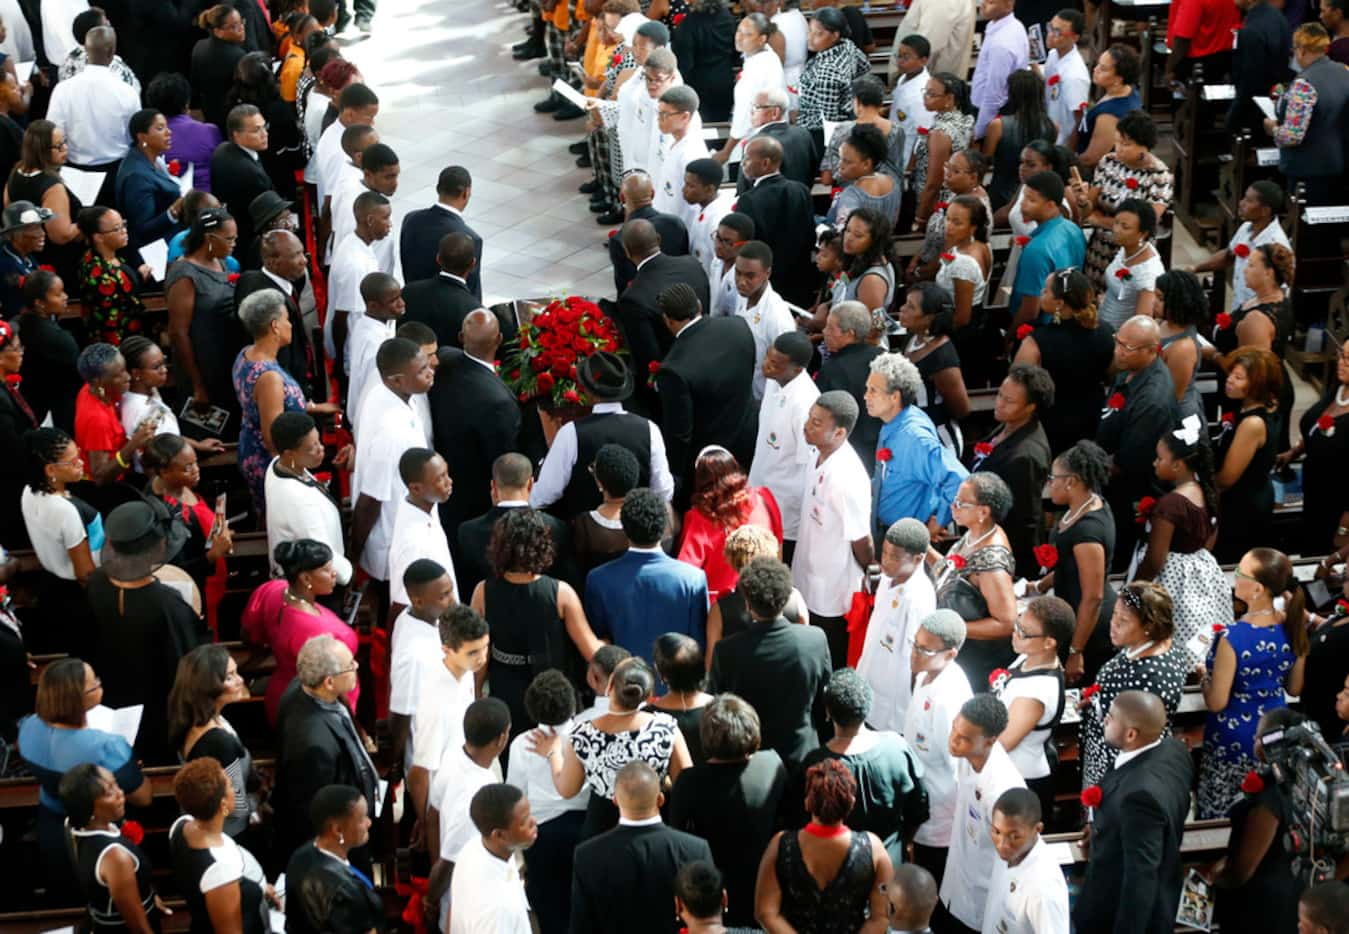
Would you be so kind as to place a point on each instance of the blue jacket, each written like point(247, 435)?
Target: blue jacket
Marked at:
point(144, 193)
point(642, 595)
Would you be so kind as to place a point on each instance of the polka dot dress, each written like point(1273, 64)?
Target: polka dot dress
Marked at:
point(1163, 675)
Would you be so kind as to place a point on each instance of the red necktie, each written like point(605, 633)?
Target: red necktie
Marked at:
point(265, 12)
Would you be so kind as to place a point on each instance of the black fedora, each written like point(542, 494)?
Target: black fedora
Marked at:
point(605, 377)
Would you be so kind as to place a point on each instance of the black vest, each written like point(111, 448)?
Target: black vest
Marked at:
point(1321, 151)
point(592, 433)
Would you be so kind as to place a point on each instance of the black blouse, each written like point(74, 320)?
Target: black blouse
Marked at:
point(1079, 361)
point(1094, 527)
point(1022, 460)
point(1325, 496)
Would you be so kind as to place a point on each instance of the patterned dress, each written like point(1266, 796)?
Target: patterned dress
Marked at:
point(955, 591)
point(253, 454)
point(109, 291)
point(603, 754)
point(958, 127)
point(826, 85)
point(1264, 659)
point(1163, 675)
point(1153, 183)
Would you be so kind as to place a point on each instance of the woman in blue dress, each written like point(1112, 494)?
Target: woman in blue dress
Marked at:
point(1251, 663)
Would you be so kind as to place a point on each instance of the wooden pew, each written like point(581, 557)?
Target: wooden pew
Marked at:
point(1201, 141)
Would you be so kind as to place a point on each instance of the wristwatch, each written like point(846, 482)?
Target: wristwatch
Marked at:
point(1074, 650)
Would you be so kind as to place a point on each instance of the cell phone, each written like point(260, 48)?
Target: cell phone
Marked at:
point(219, 522)
point(1077, 176)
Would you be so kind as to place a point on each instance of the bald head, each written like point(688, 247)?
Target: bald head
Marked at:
point(766, 148)
point(1140, 717)
point(1137, 344)
point(1141, 328)
point(637, 190)
point(100, 45)
point(640, 239)
point(480, 334)
point(637, 790)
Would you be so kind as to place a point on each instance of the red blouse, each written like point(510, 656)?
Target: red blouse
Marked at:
point(97, 427)
point(704, 544)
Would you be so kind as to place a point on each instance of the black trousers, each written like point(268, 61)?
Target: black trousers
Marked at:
point(836, 629)
point(548, 865)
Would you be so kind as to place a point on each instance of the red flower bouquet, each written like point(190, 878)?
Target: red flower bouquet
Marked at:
point(1024, 332)
point(1047, 555)
point(1242, 250)
point(543, 362)
point(884, 455)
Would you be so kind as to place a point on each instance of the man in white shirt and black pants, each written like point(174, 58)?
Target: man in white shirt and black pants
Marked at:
point(1067, 78)
point(94, 109)
point(781, 451)
point(1027, 894)
point(486, 891)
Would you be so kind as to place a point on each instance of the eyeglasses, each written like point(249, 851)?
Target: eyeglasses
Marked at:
point(346, 671)
point(961, 504)
point(120, 228)
point(1130, 348)
point(718, 238)
point(930, 653)
point(765, 107)
point(1245, 577)
point(654, 77)
point(60, 145)
point(1017, 628)
point(70, 463)
point(666, 114)
point(259, 129)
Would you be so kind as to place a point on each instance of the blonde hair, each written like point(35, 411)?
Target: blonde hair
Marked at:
point(749, 542)
point(1312, 37)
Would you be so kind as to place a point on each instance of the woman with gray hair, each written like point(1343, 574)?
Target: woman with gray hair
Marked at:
point(106, 450)
point(264, 388)
point(974, 578)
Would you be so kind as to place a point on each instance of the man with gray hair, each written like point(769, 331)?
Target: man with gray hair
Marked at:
point(681, 142)
point(769, 119)
point(318, 741)
point(834, 548)
point(94, 108)
point(940, 689)
point(845, 337)
point(915, 475)
point(903, 599)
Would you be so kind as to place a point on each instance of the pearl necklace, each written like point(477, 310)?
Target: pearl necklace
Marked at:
point(965, 545)
point(1075, 514)
point(1339, 398)
point(918, 343)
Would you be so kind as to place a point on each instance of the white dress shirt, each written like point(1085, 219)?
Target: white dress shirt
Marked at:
point(927, 727)
point(456, 781)
point(18, 43)
point(780, 451)
point(767, 320)
point(298, 509)
point(762, 72)
point(328, 159)
point(636, 118)
point(315, 107)
point(900, 608)
point(1029, 898)
point(794, 28)
point(365, 336)
point(415, 647)
point(557, 467)
point(703, 230)
point(416, 534)
point(58, 27)
point(349, 188)
point(488, 893)
point(1273, 233)
point(835, 512)
point(1064, 97)
point(1125, 755)
point(726, 299)
point(353, 260)
point(673, 156)
point(94, 108)
point(910, 111)
point(377, 455)
point(531, 773)
point(971, 857)
point(445, 698)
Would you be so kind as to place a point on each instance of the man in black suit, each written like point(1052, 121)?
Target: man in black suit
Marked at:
point(443, 301)
point(623, 880)
point(781, 669)
point(283, 268)
point(637, 313)
point(769, 118)
point(1133, 878)
point(319, 744)
point(423, 230)
point(512, 480)
point(474, 418)
point(636, 194)
point(237, 175)
point(849, 364)
point(783, 218)
point(706, 385)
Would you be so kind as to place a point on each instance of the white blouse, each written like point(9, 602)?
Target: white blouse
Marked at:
point(966, 268)
point(762, 71)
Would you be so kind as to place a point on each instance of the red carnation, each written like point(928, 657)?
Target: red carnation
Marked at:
point(943, 205)
point(678, 18)
point(948, 257)
point(46, 268)
point(884, 455)
point(175, 168)
point(1144, 509)
point(232, 278)
point(1229, 419)
point(1242, 250)
point(1325, 423)
point(1047, 555)
point(922, 131)
point(1090, 691)
point(1218, 629)
point(1123, 274)
point(133, 831)
point(1024, 331)
point(653, 367)
point(983, 449)
point(1053, 80)
point(1091, 797)
point(1223, 320)
point(14, 380)
point(956, 561)
point(998, 675)
point(1342, 607)
point(618, 57)
point(1131, 184)
point(1252, 784)
point(1022, 240)
point(1115, 402)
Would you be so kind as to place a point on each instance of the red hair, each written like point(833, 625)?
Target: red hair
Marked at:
point(721, 489)
point(830, 791)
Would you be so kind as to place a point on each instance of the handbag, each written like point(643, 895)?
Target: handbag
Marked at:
point(858, 616)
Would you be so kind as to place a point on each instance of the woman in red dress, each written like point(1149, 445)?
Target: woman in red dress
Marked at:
point(723, 501)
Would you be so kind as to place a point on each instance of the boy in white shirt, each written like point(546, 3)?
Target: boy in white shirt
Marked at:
point(763, 309)
point(1027, 894)
point(984, 772)
point(1067, 78)
point(417, 532)
point(415, 646)
point(780, 450)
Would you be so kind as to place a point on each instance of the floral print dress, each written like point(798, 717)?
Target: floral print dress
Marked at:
point(253, 454)
point(109, 291)
point(1153, 183)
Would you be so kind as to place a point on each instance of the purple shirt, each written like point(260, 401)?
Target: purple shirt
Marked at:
point(193, 143)
point(1005, 50)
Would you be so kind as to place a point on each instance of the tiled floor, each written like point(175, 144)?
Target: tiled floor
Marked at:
point(450, 94)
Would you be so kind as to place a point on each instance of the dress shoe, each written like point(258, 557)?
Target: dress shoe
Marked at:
point(527, 50)
point(613, 217)
point(600, 206)
point(568, 111)
point(549, 104)
point(548, 69)
point(589, 188)
point(583, 160)
point(577, 149)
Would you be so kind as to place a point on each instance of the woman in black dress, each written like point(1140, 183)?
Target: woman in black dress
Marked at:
point(537, 621)
point(679, 663)
point(1077, 350)
point(1325, 451)
point(37, 179)
point(1084, 544)
point(113, 873)
point(51, 373)
point(929, 317)
point(704, 42)
point(214, 60)
point(1246, 451)
point(853, 899)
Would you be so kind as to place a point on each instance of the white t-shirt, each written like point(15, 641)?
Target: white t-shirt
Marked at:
point(970, 859)
point(329, 158)
point(1030, 898)
point(350, 185)
point(446, 698)
point(900, 609)
point(672, 156)
point(415, 649)
point(910, 111)
point(353, 260)
point(1273, 233)
point(365, 337)
point(767, 320)
point(377, 454)
point(780, 451)
point(1065, 97)
point(54, 527)
point(416, 534)
point(927, 727)
point(487, 892)
point(703, 230)
point(762, 71)
point(1045, 686)
point(531, 773)
point(835, 512)
point(456, 781)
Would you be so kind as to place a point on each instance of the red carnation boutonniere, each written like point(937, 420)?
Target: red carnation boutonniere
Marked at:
point(1131, 184)
point(997, 678)
point(233, 278)
point(613, 233)
point(884, 455)
point(1090, 691)
point(133, 831)
point(1342, 607)
point(13, 380)
point(1223, 320)
point(923, 131)
point(618, 58)
point(1229, 420)
point(1242, 250)
point(1022, 240)
point(956, 561)
point(1252, 784)
point(948, 257)
point(943, 205)
point(1326, 425)
point(1123, 274)
point(983, 449)
point(4, 595)
point(1218, 629)
point(1144, 509)
point(1024, 331)
point(652, 369)
point(45, 268)
point(678, 18)
point(1053, 80)
point(175, 168)
point(1115, 402)
point(1047, 555)
point(1091, 797)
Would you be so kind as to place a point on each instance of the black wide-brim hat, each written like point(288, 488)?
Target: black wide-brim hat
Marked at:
point(605, 377)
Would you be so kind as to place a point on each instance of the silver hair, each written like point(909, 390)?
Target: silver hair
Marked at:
point(661, 59)
point(900, 375)
point(909, 535)
point(682, 98)
point(947, 626)
point(95, 359)
point(319, 658)
point(260, 309)
point(775, 97)
point(992, 491)
point(853, 317)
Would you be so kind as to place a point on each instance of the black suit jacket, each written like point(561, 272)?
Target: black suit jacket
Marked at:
point(785, 219)
point(798, 154)
point(639, 318)
point(623, 880)
point(420, 241)
point(706, 385)
point(1022, 460)
point(674, 241)
point(236, 179)
point(471, 565)
point(848, 370)
point(782, 670)
point(441, 303)
point(1133, 878)
point(294, 357)
point(474, 419)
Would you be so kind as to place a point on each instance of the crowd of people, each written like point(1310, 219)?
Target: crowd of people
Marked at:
point(728, 606)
